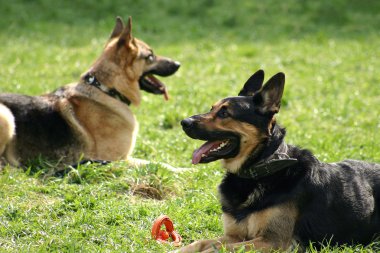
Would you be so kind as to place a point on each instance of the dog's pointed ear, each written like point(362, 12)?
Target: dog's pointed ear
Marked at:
point(118, 29)
point(269, 98)
point(253, 84)
point(126, 35)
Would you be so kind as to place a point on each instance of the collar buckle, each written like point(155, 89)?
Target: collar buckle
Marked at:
point(91, 79)
point(278, 161)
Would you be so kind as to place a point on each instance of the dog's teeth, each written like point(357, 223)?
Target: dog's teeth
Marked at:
point(203, 155)
point(222, 145)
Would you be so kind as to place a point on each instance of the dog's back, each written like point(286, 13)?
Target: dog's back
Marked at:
point(339, 203)
point(41, 129)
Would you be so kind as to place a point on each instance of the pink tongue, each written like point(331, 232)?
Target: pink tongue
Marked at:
point(160, 86)
point(204, 149)
point(166, 95)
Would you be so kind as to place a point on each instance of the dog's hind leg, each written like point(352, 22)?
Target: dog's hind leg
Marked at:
point(7, 128)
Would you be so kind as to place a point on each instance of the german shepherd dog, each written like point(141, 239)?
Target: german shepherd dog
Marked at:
point(275, 196)
point(90, 119)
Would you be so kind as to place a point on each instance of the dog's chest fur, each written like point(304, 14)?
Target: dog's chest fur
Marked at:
point(253, 209)
point(241, 197)
point(111, 129)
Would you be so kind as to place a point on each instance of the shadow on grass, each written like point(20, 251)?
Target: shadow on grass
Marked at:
point(177, 21)
point(152, 181)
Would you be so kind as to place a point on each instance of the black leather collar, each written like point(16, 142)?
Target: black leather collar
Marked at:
point(279, 160)
point(90, 79)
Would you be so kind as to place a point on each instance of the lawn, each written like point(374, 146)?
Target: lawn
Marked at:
point(329, 51)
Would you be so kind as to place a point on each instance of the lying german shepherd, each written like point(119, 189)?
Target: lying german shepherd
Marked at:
point(90, 119)
point(275, 195)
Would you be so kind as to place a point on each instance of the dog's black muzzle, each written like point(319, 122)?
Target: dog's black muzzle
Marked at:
point(195, 129)
point(164, 67)
point(191, 127)
point(187, 123)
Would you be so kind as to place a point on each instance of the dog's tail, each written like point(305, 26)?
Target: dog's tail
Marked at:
point(7, 127)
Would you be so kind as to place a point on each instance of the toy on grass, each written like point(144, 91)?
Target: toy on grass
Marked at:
point(163, 236)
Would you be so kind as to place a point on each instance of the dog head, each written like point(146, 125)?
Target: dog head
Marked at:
point(128, 64)
point(236, 126)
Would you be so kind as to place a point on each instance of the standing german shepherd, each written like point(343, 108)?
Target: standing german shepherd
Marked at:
point(90, 119)
point(275, 195)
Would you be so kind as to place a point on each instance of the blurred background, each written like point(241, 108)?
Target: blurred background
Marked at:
point(183, 21)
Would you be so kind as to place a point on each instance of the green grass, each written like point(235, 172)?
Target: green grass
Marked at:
point(328, 49)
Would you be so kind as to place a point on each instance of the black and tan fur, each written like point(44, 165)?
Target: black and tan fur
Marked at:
point(90, 119)
point(280, 207)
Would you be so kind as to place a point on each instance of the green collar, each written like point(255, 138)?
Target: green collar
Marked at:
point(279, 160)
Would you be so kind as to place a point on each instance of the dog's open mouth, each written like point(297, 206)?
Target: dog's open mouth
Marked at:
point(151, 84)
point(214, 150)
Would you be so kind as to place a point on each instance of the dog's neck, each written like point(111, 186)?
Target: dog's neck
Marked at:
point(268, 159)
point(91, 79)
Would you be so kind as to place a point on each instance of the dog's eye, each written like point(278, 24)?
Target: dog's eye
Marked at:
point(150, 58)
point(222, 113)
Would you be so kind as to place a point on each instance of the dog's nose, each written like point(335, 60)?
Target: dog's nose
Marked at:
point(187, 123)
point(177, 64)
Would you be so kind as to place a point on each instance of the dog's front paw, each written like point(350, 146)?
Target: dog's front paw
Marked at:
point(181, 250)
point(185, 249)
point(191, 248)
